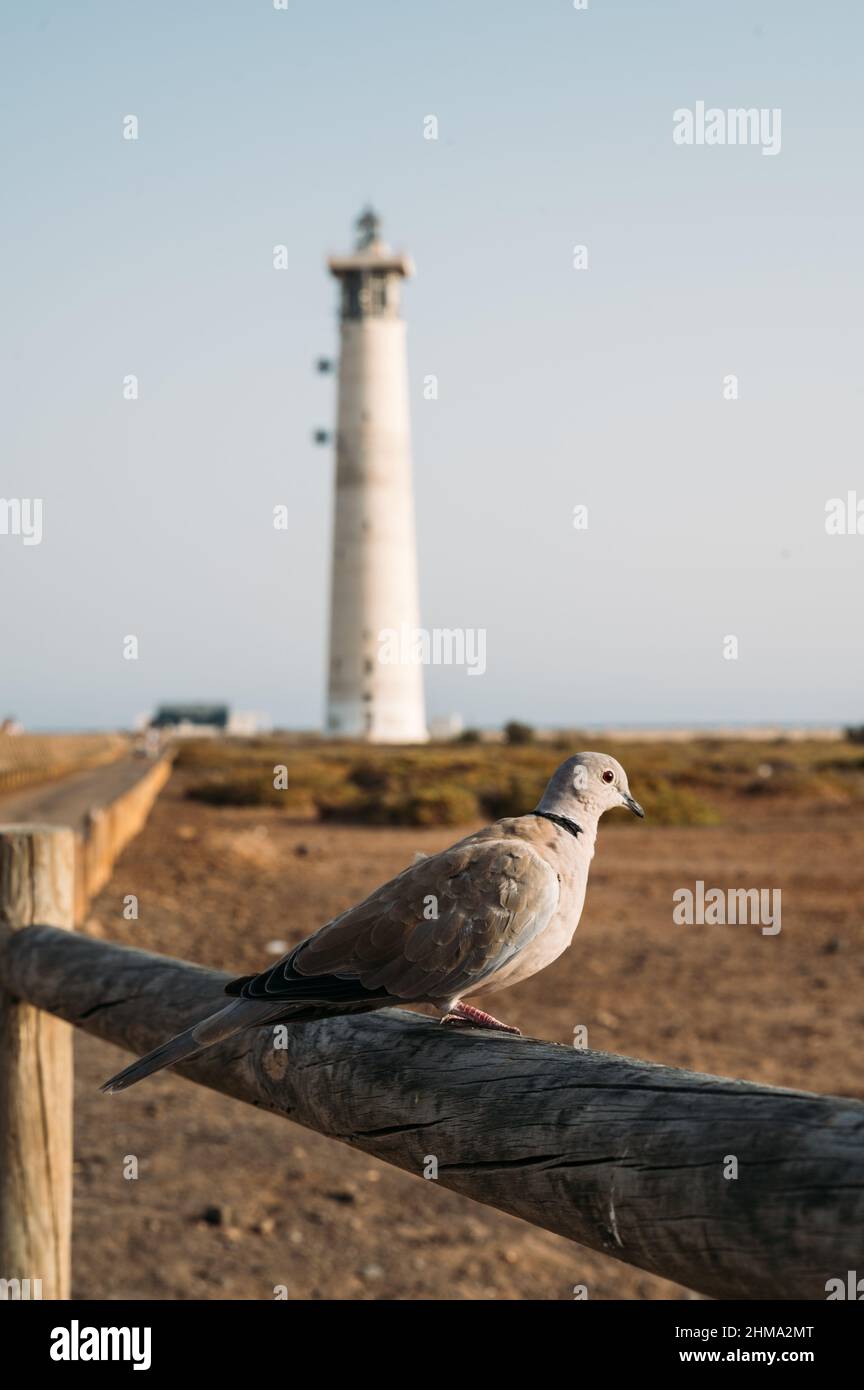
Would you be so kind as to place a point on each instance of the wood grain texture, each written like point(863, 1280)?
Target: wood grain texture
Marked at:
point(36, 885)
point(621, 1155)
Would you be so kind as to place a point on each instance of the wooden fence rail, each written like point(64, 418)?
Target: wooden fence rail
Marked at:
point(108, 830)
point(733, 1189)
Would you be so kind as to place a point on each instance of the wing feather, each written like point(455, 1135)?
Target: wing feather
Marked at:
point(430, 933)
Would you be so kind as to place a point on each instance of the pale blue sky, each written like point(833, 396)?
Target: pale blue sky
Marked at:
point(557, 387)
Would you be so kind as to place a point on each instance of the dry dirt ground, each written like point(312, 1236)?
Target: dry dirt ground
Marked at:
point(230, 1203)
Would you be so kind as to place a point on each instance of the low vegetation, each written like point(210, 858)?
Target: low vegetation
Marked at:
point(679, 782)
point(30, 758)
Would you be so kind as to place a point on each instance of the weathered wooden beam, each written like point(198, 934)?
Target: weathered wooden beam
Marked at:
point(36, 885)
point(628, 1157)
point(105, 806)
point(109, 826)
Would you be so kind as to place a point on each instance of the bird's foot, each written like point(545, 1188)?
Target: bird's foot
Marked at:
point(466, 1015)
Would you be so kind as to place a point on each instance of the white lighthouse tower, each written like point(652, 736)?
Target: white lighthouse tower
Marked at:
point(373, 595)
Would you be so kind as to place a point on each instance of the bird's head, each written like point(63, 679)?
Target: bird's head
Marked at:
point(588, 784)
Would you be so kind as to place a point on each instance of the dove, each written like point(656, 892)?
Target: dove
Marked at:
point(488, 912)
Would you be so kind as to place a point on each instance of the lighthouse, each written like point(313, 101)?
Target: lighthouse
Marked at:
point(374, 606)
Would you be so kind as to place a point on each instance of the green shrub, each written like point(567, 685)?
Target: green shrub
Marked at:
point(369, 776)
point(518, 734)
point(664, 803)
point(515, 797)
point(444, 804)
point(240, 791)
point(800, 783)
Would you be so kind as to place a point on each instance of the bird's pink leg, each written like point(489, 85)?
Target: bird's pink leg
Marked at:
point(475, 1018)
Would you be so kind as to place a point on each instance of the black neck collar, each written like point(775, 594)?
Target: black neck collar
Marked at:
point(566, 824)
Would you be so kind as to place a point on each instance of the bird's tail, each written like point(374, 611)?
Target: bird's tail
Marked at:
point(240, 1014)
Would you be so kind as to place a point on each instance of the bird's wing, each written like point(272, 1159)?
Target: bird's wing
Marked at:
point(435, 930)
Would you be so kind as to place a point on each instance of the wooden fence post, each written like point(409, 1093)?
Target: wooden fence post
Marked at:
point(37, 873)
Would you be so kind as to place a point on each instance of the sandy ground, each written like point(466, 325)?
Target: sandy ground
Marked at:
point(231, 1203)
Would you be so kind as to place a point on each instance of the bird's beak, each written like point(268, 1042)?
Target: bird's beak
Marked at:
point(634, 806)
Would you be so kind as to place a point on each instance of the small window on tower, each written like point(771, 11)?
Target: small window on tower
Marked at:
point(351, 297)
point(379, 294)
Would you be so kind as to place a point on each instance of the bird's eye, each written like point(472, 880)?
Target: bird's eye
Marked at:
point(608, 775)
